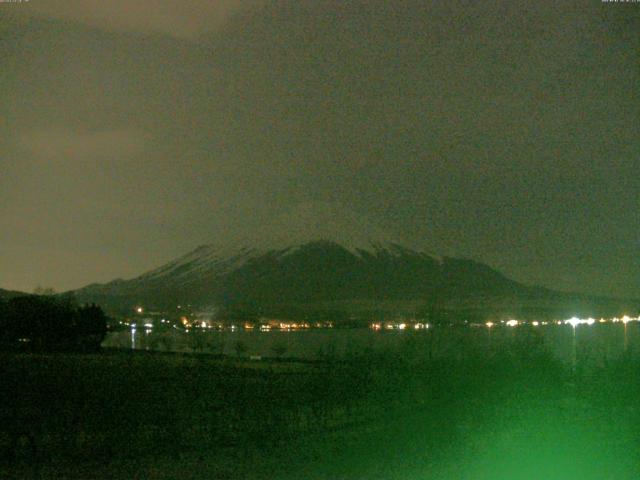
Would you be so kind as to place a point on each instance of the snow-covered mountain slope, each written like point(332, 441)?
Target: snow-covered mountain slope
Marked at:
point(314, 254)
point(308, 223)
point(320, 221)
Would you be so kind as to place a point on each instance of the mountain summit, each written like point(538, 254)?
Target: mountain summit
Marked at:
point(320, 259)
point(309, 222)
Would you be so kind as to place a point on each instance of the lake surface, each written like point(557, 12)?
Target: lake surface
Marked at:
point(596, 343)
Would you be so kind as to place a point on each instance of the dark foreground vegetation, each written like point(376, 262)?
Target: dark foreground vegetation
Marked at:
point(511, 414)
point(41, 323)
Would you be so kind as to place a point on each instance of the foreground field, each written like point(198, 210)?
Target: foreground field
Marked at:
point(513, 414)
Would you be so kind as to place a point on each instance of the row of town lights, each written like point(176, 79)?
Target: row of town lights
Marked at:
point(573, 321)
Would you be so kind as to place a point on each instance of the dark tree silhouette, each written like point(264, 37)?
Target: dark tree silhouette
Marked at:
point(36, 322)
point(3, 313)
point(90, 327)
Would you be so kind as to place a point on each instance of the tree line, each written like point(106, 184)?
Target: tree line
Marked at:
point(50, 323)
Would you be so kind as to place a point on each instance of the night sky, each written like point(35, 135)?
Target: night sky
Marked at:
point(134, 131)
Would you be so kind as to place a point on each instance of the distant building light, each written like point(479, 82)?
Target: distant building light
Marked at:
point(573, 321)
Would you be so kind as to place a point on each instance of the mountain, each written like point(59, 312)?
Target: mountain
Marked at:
point(322, 260)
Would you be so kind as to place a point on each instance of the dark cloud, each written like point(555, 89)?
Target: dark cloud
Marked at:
point(499, 131)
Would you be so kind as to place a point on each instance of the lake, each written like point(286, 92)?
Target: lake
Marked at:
point(597, 343)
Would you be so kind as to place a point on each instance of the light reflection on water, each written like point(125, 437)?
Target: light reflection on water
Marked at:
point(585, 343)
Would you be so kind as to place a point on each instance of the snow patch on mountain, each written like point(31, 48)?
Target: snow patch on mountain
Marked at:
point(285, 234)
point(321, 221)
